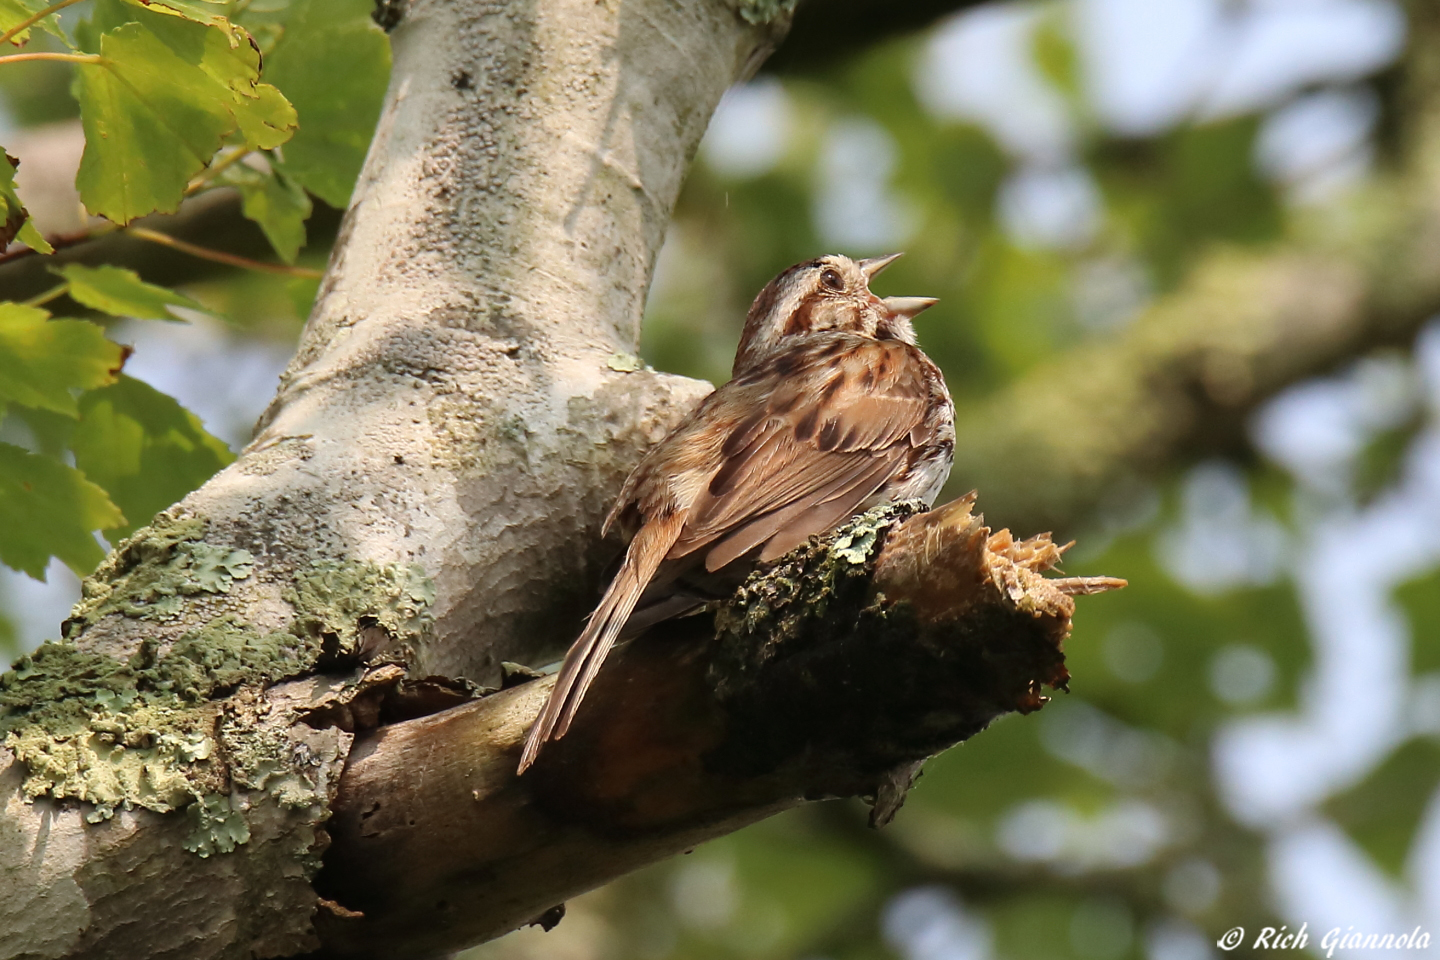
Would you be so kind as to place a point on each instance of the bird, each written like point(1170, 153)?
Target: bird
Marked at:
point(831, 409)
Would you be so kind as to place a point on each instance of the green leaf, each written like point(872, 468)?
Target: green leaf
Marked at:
point(49, 510)
point(276, 203)
point(42, 360)
point(230, 57)
point(166, 95)
point(50, 432)
point(333, 63)
point(269, 119)
point(143, 448)
point(107, 15)
point(13, 12)
point(17, 224)
point(121, 293)
point(208, 12)
point(30, 236)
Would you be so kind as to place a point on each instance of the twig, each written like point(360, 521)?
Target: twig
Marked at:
point(34, 19)
point(60, 241)
point(206, 176)
point(65, 57)
point(47, 296)
point(218, 256)
point(1087, 586)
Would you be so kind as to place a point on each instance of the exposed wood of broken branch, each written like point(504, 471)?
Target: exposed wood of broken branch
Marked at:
point(821, 678)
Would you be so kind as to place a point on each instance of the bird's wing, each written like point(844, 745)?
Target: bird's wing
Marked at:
point(841, 423)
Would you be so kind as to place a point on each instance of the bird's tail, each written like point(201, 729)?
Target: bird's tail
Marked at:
point(588, 652)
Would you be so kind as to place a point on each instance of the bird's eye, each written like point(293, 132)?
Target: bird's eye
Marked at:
point(832, 280)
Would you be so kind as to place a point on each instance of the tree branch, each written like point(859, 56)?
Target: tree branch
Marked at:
point(832, 674)
point(426, 488)
point(220, 256)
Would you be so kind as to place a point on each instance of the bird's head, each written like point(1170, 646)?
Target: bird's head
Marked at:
point(828, 293)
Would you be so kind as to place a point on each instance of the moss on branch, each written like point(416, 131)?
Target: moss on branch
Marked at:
point(896, 636)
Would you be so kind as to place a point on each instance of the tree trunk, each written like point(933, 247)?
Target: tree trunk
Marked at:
point(426, 487)
point(265, 667)
point(276, 660)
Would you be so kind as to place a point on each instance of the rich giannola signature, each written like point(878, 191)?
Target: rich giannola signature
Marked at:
point(1335, 940)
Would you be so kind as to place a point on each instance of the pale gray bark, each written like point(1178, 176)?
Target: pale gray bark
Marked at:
point(490, 277)
point(462, 405)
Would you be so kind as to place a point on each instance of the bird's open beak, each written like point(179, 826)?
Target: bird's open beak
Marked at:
point(908, 307)
point(872, 267)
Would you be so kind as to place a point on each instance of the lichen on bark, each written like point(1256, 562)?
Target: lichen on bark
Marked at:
point(876, 644)
point(151, 572)
point(362, 607)
point(786, 604)
point(183, 722)
point(138, 732)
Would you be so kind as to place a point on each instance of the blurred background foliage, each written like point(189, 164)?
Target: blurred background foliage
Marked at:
point(1252, 735)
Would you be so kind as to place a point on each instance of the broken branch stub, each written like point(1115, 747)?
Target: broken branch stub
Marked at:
point(872, 657)
point(832, 673)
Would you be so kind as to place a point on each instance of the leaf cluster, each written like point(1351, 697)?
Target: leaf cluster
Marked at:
point(100, 450)
point(272, 99)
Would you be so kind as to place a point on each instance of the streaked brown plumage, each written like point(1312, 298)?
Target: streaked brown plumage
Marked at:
point(832, 409)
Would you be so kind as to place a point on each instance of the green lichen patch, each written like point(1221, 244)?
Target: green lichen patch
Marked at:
point(137, 732)
point(216, 826)
point(122, 761)
point(220, 656)
point(265, 757)
point(150, 573)
point(779, 605)
point(187, 723)
point(624, 362)
point(338, 601)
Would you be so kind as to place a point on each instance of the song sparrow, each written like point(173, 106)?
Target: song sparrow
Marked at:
point(832, 409)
